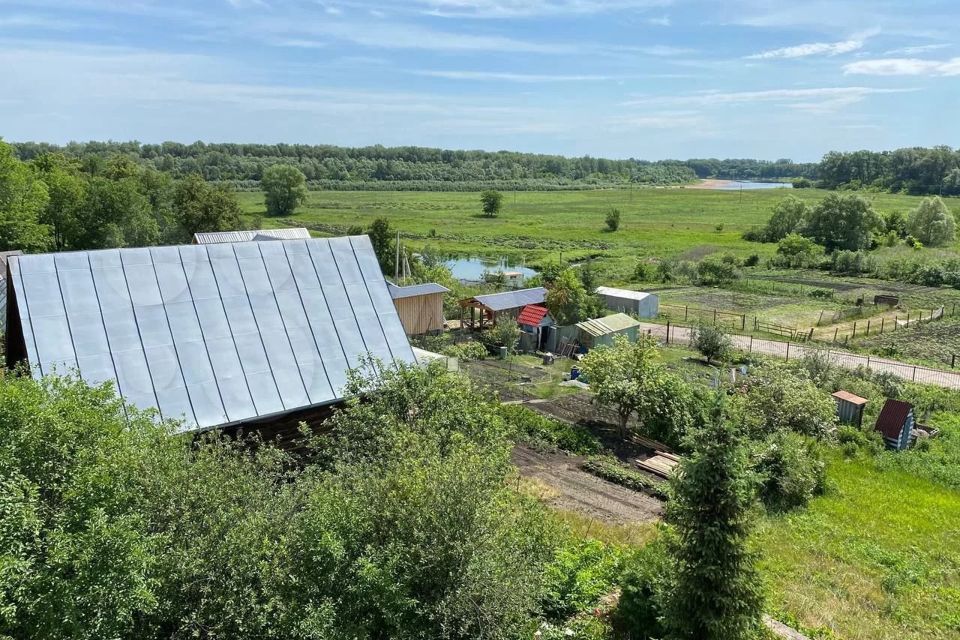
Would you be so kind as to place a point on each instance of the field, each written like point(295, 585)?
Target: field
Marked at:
point(537, 226)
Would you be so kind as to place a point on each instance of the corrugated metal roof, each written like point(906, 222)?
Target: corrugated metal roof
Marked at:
point(892, 418)
point(846, 396)
point(397, 292)
point(217, 237)
point(622, 293)
point(609, 324)
point(532, 315)
point(512, 299)
point(215, 334)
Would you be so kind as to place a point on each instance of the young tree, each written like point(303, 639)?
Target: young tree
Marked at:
point(715, 591)
point(199, 207)
point(384, 245)
point(285, 187)
point(842, 222)
point(567, 299)
point(629, 378)
point(23, 200)
point(491, 202)
point(613, 219)
point(712, 342)
point(787, 217)
point(932, 223)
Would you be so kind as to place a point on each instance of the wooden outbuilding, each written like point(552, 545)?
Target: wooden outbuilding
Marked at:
point(895, 423)
point(487, 309)
point(420, 306)
point(849, 407)
point(533, 320)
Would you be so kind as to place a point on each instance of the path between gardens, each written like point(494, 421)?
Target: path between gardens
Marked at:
point(792, 350)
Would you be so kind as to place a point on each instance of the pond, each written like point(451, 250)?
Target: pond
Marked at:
point(473, 269)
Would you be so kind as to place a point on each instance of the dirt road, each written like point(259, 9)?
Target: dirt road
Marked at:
point(791, 351)
point(577, 490)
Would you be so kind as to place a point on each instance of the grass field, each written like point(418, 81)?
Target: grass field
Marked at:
point(539, 225)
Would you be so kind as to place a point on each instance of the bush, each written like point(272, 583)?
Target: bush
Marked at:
point(612, 470)
point(791, 471)
point(642, 592)
point(530, 427)
point(582, 572)
point(613, 219)
point(466, 351)
point(642, 271)
point(712, 342)
point(717, 270)
point(752, 260)
point(774, 400)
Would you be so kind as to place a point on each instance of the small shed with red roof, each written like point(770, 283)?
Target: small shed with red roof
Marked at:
point(532, 320)
point(895, 423)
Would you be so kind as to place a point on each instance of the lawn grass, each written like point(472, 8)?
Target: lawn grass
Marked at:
point(878, 557)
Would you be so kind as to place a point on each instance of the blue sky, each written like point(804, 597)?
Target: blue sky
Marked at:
point(616, 78)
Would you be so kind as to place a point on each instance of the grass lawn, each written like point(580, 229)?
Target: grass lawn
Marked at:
point(662, 222)
point(878, 557)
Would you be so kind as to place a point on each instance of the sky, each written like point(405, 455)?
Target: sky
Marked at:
point(649, 79)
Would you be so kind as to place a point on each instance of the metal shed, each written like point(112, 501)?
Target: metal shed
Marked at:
point(601, 331)
point(638, 303)
point(420, 306)
point(217, 335)
point(492, 306)
point(849, 407)
point(248, 235)
point(895, 422)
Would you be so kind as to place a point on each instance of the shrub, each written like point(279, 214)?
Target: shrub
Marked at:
point(642, 271)
point(791, 471)
point(774, 400)
point(665, 271)
point(712, 342)
point(533, 428)
point(932, 223)
point(612, 470)
point(752, 260)
point(470, 350)
point(613, 219)
point(582, 571)
point(643, 589)
point(717, 270)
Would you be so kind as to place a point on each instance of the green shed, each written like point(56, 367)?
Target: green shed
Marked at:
point(601, 331)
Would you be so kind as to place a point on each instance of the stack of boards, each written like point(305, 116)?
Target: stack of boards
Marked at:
point(660, 464)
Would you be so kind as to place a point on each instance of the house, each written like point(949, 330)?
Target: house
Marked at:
point(601, 331)
point(492, 306)
point(420, 306)
point(533, 320)
point(259, 334)
point(3, 283)
point(638, 303)
point(895, 423)
point(849, 407)
point(254, 235)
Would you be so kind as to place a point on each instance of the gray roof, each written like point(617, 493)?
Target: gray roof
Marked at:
point(216, 334)
point(512, 299)
point(627, 294)
point(412, 290)
point(216, 237)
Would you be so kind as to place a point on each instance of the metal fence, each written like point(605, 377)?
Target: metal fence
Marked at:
point(682, 335)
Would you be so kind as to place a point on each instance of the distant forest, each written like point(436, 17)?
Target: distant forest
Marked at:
point(913, 170)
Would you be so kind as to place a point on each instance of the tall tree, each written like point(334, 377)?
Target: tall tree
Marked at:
point(67, 189)
point(381, 237)
point(491, 202)
point(716, 590)
point(114, 214)
point(199, 207)
point(23, 199)
point(787, 216)
point(932, 223)
point(285, 187)
point(842, 222)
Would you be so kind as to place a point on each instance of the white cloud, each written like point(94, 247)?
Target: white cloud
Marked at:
point(914, 50)
point(819, 99)
point(810, 49)
point(510, 77)
point(904, 67)
point(531, 8)
point(662, 21)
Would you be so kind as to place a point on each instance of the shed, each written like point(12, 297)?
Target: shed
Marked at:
point(895, 423)
point(533, 319)
point(849, 407)
point(886, 299)
point(420, 306)
point(220, 335)
point(601, 331)
point(492, 306)
point(248, 235)
point(638, 303)
point(3, 283)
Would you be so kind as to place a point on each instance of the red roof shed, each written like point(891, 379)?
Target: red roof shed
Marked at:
point(532, 315)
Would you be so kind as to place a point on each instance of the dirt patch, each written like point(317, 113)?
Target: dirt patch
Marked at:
point(576, 490)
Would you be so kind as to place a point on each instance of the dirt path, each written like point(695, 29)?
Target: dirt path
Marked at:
point(577, 490)
point(790, 350)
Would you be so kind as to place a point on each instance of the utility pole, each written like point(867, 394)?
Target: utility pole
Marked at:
point(396, 269)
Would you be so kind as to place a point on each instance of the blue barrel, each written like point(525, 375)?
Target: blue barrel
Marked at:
point(574, 373)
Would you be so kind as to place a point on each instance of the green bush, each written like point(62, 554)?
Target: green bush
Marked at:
point(582, 572)
point(533, 428)
point(470, 350)
point(642, 592)
point(791, 471)
point(717, 270)
point(612, 470)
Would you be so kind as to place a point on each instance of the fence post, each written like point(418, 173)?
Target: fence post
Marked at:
point(668, 332)
point(820, 319)
point(684, 313)
point(914, 373)
point(854, 328)
point(788, 351)
point(953, 359)
point(743, 321)
point(750, 350)
point(714, 317)
point(868, 327)
point(868, 362)
point(883, 321)
point(835, 332)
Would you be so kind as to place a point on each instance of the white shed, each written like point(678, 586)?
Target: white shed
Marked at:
point(644, 305)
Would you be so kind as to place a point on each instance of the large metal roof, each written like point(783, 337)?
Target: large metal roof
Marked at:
point(628, 294)
point(216, 237)
point(512, 299)
point(398, 292)
point(609, 324)
point(215, 334)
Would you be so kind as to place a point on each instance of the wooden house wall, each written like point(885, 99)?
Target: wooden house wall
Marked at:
point(421, 314)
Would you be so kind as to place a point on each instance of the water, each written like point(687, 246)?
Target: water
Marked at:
point(735, 185)
point(472, 269)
